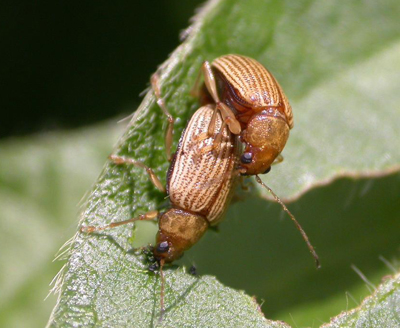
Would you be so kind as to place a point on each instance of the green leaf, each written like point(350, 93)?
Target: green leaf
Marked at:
point(111, 287)
point(381, 309)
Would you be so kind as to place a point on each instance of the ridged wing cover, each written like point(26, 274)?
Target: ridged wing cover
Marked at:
point(201, 180)
point(253, 83)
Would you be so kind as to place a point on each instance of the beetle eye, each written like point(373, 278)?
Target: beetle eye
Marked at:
point(153, 267)
point(246, 158)
point(162, 247)
point(267, 170)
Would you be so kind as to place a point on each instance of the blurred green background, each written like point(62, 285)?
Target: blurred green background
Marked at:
point(68, 66)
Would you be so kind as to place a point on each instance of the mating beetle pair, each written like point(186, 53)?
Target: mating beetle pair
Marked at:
point(240, 129)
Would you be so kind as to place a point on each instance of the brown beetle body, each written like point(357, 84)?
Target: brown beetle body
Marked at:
point(248, 87)
point(199, 185)
point(256, 110)
point(202, 182)
point(259, 105)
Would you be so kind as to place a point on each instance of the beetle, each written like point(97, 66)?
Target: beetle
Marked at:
point(254, 107)
point(200, 184)
point(256, 110)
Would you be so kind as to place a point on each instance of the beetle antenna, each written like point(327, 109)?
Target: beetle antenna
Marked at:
point(310, 247)
point(162, 290)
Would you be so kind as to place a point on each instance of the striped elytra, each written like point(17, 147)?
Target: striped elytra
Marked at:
point(249, 96)
point(249, 86)
point(201, 176)
point(199, 184)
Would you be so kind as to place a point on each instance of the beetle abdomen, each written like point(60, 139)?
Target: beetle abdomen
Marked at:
point(201, 176)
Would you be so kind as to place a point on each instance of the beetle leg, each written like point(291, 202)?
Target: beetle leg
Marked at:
point(209, 81)
point(278, 159)
point(197, 142)
point(243, 185)
point(227, 114)
point(143, 217)
point(211, 86)
point(229, 117)
point(170, 127)
point(211, 126)
point(153, 178)
point(239, 171)
point(214, 147)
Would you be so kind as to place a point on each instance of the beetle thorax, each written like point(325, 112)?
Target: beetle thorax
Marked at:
point(264, 138)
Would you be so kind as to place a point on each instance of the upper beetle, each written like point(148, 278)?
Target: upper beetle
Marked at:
point(253, 105)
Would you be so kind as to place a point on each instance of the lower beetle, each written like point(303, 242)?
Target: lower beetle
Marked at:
point(200, 184)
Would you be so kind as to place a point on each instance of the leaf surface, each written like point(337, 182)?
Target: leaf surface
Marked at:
point(381, 309)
